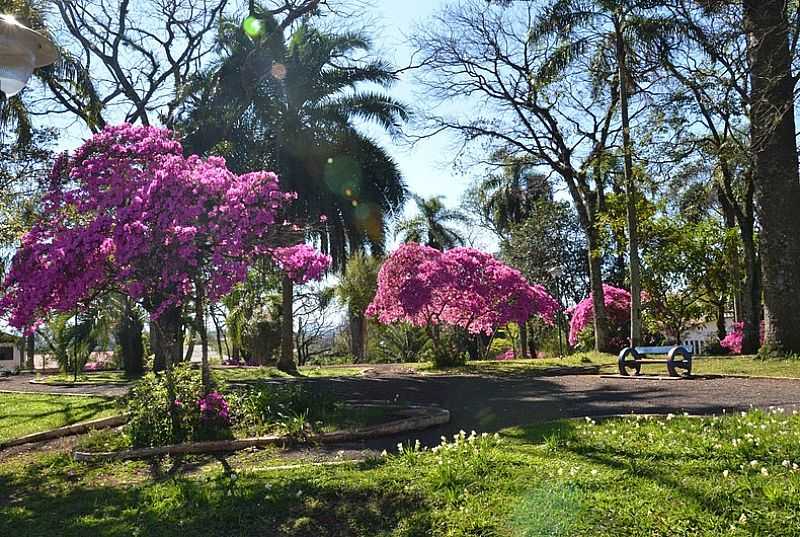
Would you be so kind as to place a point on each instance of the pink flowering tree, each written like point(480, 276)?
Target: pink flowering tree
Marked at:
point(733, 341)
point(618, 304)
point(461, 288)
point(128, 212)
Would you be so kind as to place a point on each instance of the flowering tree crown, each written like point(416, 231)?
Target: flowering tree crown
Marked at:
point(618, 309)
point(129, 212)
point(460, 287)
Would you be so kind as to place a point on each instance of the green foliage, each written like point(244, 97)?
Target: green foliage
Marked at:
point(433, 225)
point(163, 408)
point(550, 236)
point(286, 409)
point(359, 282)
point(399, 342)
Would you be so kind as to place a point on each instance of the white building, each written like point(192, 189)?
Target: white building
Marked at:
point(702, 333)
point(10, 356)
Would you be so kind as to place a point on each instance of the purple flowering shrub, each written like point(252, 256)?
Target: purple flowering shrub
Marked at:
point(733, 341)
point(215, 417)
point(193, 416)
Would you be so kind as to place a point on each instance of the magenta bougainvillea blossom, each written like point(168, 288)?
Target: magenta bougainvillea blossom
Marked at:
point(214, 407)
point(618, 309)
point(301, 262)
point(733, 341)
point(128, 211)
point(461, 287)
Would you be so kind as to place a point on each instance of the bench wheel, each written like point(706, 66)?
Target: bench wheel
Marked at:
point(626, 365)
point(679, 368)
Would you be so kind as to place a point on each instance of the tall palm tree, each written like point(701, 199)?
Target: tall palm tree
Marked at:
point(507, 198)
point(432, 225)
point(615, 34)
point(295, 106)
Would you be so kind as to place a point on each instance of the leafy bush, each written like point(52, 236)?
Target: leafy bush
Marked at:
point(155, 421)
point(285, 409)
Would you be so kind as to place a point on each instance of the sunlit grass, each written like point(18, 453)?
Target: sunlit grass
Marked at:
point(734, 475)
point(22, 414)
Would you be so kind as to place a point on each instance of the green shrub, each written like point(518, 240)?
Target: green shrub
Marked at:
point(153, 420)
point(285, 409)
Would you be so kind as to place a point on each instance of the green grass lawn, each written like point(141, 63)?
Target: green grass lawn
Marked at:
point(22, 414)
point(748, 365)
point(678, 476)
point(87, 379)
point(234, 374)
point(577, 363)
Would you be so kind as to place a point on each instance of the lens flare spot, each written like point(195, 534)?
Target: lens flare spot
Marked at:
point(369, 219)
point(253, 27)
point(278, 71)
point(355, 203)
point(343, 176)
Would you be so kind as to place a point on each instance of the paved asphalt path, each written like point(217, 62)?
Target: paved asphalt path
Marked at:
point(490, 403)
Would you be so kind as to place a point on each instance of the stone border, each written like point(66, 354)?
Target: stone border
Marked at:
point(68, 430)
point(416, 418)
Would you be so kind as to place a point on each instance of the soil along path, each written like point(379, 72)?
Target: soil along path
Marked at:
point(488, 404)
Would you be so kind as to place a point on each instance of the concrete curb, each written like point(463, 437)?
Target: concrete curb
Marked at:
point(69, 430)
point(417, 418)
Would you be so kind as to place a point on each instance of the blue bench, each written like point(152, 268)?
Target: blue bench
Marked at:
point(678, 360)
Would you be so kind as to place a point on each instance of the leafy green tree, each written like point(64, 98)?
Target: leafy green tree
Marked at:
point(613, 33)
point(686, 276)
point(433, 225)
point(356, 290)
point(294, 106)
point(507, 198)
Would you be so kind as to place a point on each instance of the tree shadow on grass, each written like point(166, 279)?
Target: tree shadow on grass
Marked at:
point(49, 497)
point(47, 413)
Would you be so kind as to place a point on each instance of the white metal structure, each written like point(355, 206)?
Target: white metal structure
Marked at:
point(21, 51)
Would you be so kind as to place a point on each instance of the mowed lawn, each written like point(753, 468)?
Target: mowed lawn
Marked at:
point(22, 414)
point(675, 476)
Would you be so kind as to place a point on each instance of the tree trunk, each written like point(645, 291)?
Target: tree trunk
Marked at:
point(631, 194)
point(777, 181)
point(166, 336)
point(200, 327)
point(286, 360)
point(751, 300)
point(732, 252)
point(358, 336)
point(722, 330)
point(598, 296)
point(129, 337)
point(523, 339)
point(30, 351)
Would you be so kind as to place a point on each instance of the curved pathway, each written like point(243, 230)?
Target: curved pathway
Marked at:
point(21, 383)
point(488, 403)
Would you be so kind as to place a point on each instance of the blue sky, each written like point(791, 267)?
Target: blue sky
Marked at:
point(426, 166)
